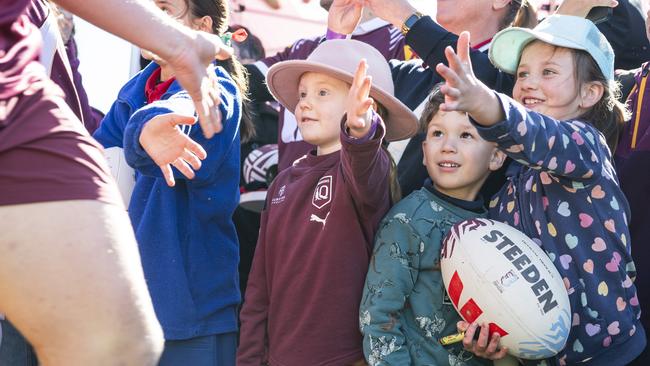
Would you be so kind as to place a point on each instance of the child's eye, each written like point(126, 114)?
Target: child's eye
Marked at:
point(466, 135)
point(302, 95)
point(549, 72)
point(522, 74)
point(322, 92)
point(436, 133)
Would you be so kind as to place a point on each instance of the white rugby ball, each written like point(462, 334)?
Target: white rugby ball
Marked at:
point(495, 274)
point(123, 173)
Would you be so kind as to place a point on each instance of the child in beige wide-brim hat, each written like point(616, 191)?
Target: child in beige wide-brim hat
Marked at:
point(321, 215)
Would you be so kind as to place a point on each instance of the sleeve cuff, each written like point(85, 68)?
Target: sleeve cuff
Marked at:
point(374, 122)
point(333, 35)
point(499, 130)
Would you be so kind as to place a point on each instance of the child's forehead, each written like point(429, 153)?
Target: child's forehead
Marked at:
point(451, 120)
point(544, 52)
point(319, 78)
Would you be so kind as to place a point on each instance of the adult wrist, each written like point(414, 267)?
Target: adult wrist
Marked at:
point(409, 21)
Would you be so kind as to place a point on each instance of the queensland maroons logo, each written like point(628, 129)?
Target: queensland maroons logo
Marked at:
point(323, 192)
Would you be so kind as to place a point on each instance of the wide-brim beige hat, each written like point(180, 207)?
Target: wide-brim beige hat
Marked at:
point(340, 59)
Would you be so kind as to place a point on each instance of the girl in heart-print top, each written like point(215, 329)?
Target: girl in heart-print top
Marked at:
point(562, 191)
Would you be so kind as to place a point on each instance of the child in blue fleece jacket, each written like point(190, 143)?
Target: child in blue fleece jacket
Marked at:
point(185, 233)
point(563, 191)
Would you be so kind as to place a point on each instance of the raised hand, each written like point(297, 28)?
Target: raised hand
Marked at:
point(200, 81)
point(344, 15)
point(581, 8)
point(486, 345)
point(393, 11)
point(463, 91)
point(162, 139)
point(359, 103)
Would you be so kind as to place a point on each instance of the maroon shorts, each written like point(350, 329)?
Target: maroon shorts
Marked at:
point(46, 154)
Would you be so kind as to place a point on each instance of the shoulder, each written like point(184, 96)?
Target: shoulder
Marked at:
point(415, 205)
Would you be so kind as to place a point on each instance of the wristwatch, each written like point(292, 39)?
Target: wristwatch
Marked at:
point(408, 23)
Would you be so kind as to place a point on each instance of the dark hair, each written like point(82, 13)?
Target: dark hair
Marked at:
point(436, 98)
point(521, 13)
point(395, 191)
point(608, 115)
point(218, 11)
point(251, 48)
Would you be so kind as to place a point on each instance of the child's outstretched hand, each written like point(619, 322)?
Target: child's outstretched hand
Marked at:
point(463, 91)
point(359, 104)
point(486, 345)
point(167, 145)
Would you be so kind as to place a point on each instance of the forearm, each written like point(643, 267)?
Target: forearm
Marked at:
point(138, 21)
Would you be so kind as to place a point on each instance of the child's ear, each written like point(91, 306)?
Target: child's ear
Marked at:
point(204, 24)
point(497, 159)
point(500, 4)
point(590, 94)
point(424, 155)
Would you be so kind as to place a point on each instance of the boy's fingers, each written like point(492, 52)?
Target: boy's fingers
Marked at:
point(468, 340)
point(483, 336)
point(494, 343)
point(462, 325)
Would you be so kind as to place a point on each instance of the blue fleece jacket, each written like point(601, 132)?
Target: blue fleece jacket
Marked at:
point(187, 240)
point(563, 192)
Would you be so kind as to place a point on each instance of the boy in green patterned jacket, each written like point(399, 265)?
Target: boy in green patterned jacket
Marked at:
point(404, 311)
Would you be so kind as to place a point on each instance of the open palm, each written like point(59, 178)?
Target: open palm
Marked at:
point(168, 146)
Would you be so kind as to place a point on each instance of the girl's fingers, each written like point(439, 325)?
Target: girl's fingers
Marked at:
point(450, 76)
point(363, 108)
point(364, 90)
point(450, 91)
point(191, 159)
point(195, 148)
point(360, 73)
point(463, 48)
point(450, 106)
point(184, 168)
point(168, 174)
point(501, 354)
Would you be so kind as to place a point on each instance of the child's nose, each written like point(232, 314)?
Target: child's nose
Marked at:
point(530, 82)
point(449, 144)
point(304, 103)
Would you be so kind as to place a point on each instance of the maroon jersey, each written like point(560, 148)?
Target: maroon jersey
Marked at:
point(19, 48)
point(45, 153)
point(312, 256)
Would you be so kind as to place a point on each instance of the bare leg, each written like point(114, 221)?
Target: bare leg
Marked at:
point(71, 281)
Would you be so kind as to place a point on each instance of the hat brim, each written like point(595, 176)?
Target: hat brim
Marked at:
point(253, 201)
point(283, 79)
point(507, 46)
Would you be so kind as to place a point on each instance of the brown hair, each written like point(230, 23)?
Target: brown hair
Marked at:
point(436, 98)
point(521, 13)
point(608, 115)
point(218, 11)
point(395, 190)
